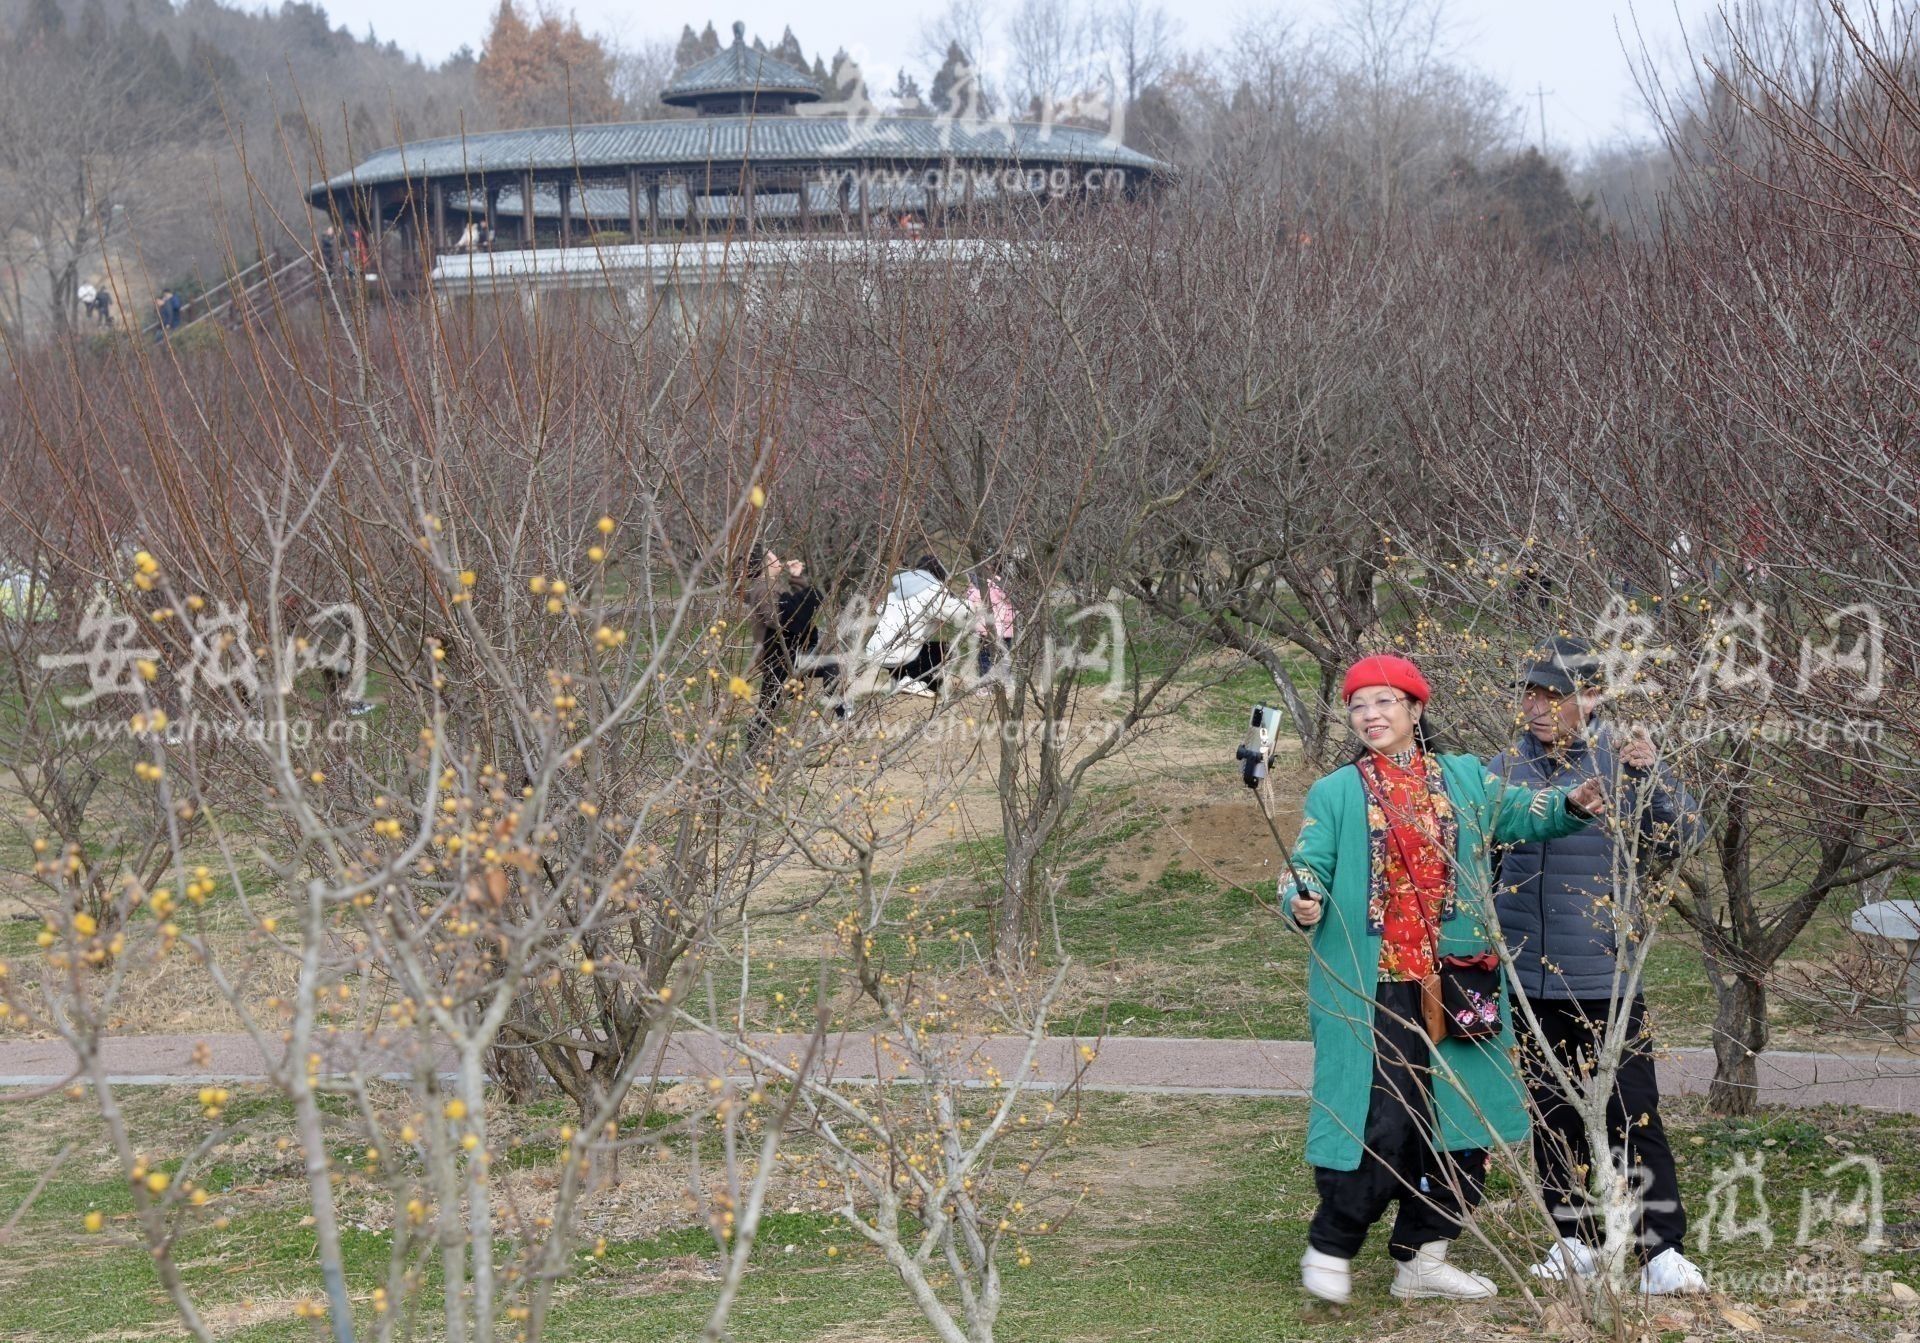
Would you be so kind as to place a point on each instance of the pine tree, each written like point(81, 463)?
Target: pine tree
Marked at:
point(790, 50)
point(846, 83)
point(689, 52)
point(305, 25)
point(906, 92)
point(1540, 208)
point(956, 90)
point(709, 41)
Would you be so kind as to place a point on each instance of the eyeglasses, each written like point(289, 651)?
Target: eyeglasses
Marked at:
point(1360, 708)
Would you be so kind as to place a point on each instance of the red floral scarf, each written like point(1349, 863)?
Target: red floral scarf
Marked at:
point(1411, 824)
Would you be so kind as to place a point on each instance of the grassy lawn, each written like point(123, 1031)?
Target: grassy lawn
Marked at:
point(1163, 875)
point(1186, 952)
point(1191, 1228)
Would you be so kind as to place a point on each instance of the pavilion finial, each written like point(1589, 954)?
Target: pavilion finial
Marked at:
point(739, 33)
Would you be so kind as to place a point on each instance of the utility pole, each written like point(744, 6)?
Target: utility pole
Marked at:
point(1540, 96)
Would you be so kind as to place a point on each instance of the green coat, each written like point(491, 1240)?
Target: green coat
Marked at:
point(1476, 1088)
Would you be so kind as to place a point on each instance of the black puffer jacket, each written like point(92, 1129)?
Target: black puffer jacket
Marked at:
point(1563, 945)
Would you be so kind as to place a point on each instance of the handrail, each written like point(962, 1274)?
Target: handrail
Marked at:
point(207, 308)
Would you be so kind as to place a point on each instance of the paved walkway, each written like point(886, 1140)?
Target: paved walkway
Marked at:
point(1888, 1080)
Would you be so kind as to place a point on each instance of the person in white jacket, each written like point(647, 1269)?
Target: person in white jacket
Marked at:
point(917, 609)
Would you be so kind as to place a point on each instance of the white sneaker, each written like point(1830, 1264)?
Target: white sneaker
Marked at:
point(1671, 1273)
point(1568, 1259)
point(914, 688)
point(1324, 1276)
point(1429, 1274)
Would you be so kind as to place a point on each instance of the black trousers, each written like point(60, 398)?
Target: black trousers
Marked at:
point(776, 669)
point(926, 665)
point(1399, 1159)
point(1560, 1151)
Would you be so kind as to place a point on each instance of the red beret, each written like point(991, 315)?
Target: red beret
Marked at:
point(1386, 669)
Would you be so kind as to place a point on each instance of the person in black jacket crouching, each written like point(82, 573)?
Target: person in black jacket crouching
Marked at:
point(1564, 916)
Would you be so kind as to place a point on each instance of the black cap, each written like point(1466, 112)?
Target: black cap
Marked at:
point(1562, 665)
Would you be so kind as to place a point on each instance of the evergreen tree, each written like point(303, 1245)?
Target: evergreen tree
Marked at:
point(1543, 209)
point(790, 50)
point(956, 89)
point(689, 52)
point(906, 92)
point(305, 25)
point(709, 42)
point(846, 83)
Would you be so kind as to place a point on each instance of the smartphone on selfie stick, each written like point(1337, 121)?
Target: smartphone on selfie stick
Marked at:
point(1256, 759)
point(1256, 752)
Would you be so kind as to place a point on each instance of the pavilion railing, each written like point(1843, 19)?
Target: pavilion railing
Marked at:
point(290, 278)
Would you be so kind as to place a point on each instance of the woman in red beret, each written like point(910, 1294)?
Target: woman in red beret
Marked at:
point(1390, 876)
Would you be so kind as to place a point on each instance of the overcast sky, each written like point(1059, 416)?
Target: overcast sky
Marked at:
point(1572, 48)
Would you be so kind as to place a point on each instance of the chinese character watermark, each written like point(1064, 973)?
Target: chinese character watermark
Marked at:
point(220, 656)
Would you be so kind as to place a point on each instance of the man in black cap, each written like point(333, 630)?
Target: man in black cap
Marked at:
point(1571, 929)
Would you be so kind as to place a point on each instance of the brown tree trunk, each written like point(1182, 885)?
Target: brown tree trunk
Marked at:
point(1739, 1034)
point(518, 1073)
point(1017, 929)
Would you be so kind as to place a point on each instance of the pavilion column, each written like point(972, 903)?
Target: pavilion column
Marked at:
point(406, 223)
point(633, 205)
point(806, 205)
point(490, 194)
point(936, 199)
point(529, 225)
point(566, 222)
point(747, 177)
point(438, 194)
point(653, 207)
point(966, 202)
point(843, 193)
point(866, 219)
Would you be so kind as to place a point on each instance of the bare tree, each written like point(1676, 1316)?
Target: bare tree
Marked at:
point(77, 163)
point(1140, 39)
point(1050, 45)
point(640, 71)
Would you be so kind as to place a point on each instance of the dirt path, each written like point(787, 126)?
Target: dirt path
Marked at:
point(1887, 1081)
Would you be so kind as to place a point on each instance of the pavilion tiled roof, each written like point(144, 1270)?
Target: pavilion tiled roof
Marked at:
point(725, 142)
point(739, 69)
